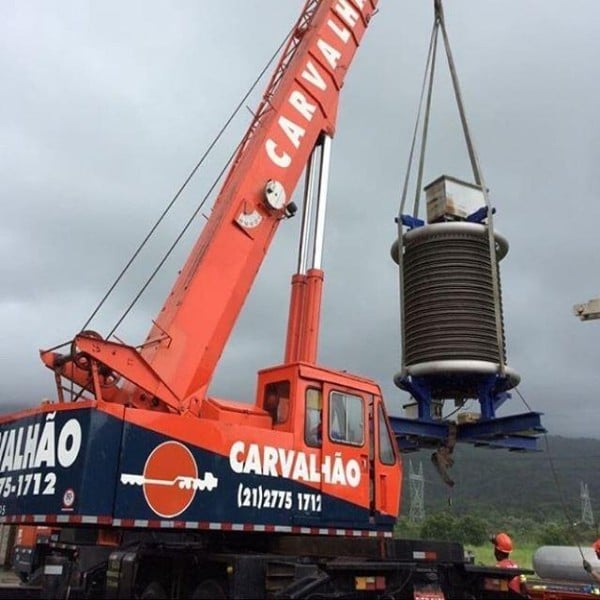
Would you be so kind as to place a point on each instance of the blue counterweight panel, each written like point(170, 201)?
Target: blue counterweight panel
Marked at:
point(62, 465)
point(59, 463)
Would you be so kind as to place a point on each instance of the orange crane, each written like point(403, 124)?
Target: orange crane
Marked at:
point(162, 490)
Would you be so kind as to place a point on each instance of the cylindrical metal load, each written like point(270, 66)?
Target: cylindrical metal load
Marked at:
point(563, 563)
point(449, 304)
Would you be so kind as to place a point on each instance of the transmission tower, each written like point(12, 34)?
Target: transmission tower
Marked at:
point(587, 516)
point(417, 492)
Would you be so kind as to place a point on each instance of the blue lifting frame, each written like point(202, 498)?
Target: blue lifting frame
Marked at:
point(514, 432)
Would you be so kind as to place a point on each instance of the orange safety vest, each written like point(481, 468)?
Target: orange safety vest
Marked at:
point(514, 584)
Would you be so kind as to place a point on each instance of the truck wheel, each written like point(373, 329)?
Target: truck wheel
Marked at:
point(154, 591)
point(209, 589)
point(23, 576)
point(36, 577)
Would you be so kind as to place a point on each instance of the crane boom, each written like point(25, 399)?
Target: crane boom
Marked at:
point(187, 338)
point(301, 101)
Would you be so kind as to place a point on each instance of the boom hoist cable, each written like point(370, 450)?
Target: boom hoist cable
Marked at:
point(74, 355)
point(177, 195)
point(452, 337)
point(152, 376)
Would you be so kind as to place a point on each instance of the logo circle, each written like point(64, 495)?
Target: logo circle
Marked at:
point(168, 465)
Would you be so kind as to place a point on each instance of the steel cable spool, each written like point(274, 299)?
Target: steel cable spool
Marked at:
point(449, 306)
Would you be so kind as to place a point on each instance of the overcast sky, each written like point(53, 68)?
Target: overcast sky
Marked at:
point(106, 106)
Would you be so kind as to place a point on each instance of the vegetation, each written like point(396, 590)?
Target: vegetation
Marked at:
point(474, 532)
point(534, 497)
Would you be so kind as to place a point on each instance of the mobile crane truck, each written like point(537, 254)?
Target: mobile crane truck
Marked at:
point(155, 489)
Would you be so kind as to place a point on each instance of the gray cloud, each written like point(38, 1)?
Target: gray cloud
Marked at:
point(107, 106)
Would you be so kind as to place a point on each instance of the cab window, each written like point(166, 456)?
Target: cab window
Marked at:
point(277, 401)
point(346, 418)
point(386, 448)
point(313, 426)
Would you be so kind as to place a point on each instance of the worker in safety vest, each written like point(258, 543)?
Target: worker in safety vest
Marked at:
point(595, 573)
point(503, 546)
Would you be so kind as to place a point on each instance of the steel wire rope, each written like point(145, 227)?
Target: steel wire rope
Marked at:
point(174, 244)
point(432, 43)
point(481, 477)
point(490, 477)
point(480, 181)
point(438, 487)
point(178, 194)
point(439, 23)
point(561, 495)
point(457, 409)
point(425, 131)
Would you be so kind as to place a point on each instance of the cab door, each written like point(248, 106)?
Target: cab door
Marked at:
point(386, 467)
point(345, 469)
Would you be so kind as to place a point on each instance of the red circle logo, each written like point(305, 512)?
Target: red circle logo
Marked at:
point(167, 469)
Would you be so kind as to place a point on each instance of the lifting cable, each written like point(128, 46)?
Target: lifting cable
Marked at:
point(428, 79)
point(439, 24)
point(176, 197)
point(480, 181)
point(430, 53)
point(557, 484)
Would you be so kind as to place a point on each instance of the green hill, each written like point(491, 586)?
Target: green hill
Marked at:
point(541, 485)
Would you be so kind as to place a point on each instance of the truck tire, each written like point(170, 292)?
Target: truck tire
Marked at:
point(209, 589)
point(23, 576)
point(154, 591)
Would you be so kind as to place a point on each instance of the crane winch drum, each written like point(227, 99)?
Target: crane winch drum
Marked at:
point(450, 331)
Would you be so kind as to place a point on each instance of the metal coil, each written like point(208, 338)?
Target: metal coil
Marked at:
point(449, 305)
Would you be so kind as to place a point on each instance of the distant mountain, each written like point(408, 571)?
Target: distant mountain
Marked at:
point(536, 484)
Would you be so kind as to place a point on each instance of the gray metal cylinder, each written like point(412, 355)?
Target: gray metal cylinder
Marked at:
point(449, 305)
point(564, 563)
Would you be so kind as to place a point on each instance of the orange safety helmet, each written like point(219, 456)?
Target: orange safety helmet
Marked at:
point(502, 542)
point(596, 546)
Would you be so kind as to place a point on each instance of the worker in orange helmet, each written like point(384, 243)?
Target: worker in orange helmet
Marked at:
point(595, 573)
point(503, 546)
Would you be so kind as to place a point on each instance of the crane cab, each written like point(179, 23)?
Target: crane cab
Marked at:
point(339, 423)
